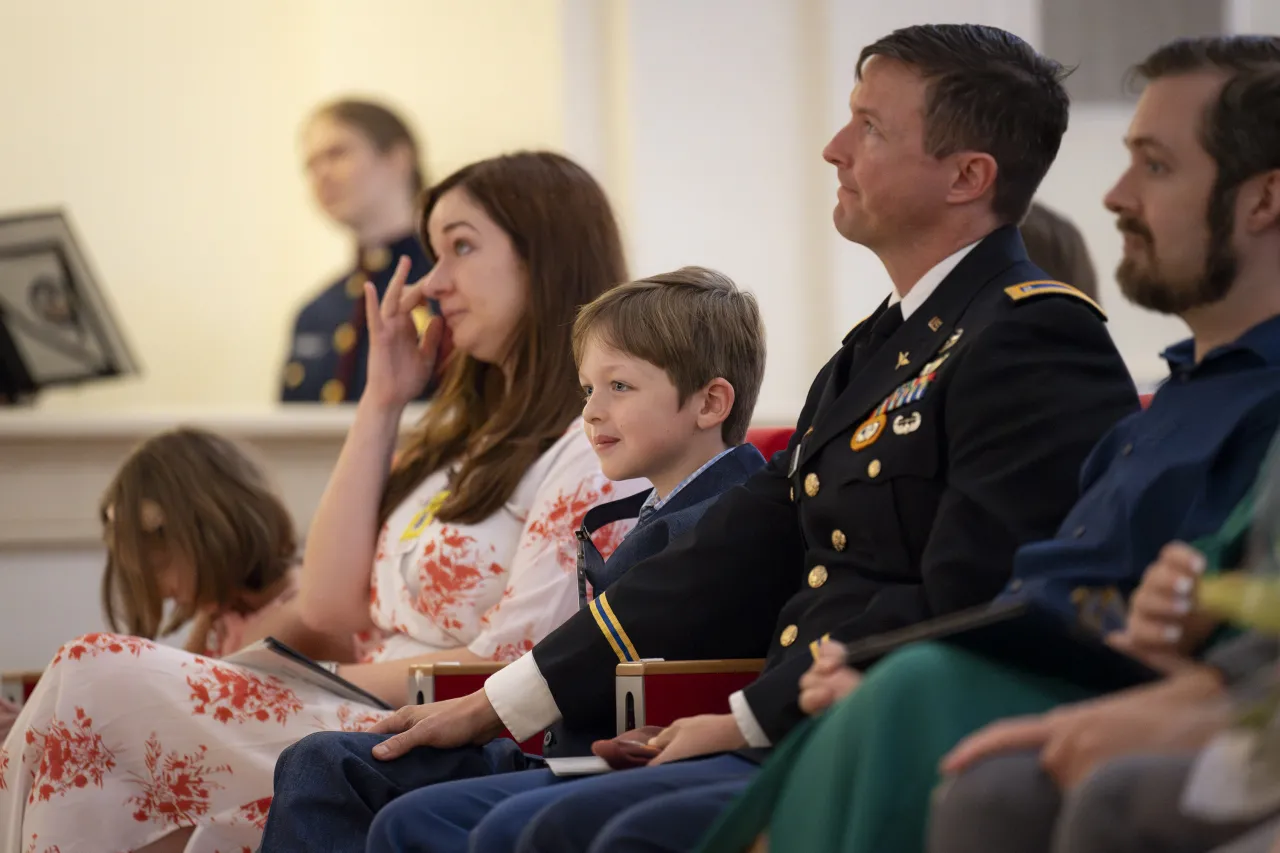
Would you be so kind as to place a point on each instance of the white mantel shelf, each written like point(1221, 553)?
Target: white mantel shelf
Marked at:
point(54, 466)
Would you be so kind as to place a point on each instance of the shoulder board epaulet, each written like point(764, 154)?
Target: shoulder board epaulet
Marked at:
point(1047, 287)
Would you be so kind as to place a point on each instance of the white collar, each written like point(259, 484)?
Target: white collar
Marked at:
point(929, 282)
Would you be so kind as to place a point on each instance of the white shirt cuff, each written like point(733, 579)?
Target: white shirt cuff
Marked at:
point(747, 723)
point(521, 698)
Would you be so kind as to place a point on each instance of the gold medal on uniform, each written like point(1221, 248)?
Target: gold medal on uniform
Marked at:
point(866, 435)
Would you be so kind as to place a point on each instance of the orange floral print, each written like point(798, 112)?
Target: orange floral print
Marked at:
point(31, 848)
point(511, 651)
point(452, 566)
point(556, 527)
point(229, 694)
point(71, 756)
point(255, 812)
point(177, 790)
point(351, 719)
point(92, 645)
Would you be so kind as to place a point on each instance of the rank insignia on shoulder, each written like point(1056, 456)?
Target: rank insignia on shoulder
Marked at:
point(865, 435)
point(1032, 289)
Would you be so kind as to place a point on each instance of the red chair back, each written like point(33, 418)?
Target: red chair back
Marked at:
point(769, 440)
point(453, 686)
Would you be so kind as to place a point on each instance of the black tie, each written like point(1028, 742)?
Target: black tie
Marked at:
point(881, 330)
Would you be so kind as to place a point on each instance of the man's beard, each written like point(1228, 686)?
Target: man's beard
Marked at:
point(1149, 289)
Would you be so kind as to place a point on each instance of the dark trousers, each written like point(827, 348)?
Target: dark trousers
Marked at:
point(329, 787)
point(1009, 803)
point(665, 808)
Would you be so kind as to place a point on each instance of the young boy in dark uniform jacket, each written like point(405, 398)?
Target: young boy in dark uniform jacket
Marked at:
point(671, 369)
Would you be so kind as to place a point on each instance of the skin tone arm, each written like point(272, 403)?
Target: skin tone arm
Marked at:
point(340, 548)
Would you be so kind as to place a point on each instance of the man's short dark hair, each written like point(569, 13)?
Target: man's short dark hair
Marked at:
point(988, 91)
point(1225, 53)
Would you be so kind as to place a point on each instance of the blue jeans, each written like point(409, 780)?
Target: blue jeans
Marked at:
point(329, 787)
point(664, 808)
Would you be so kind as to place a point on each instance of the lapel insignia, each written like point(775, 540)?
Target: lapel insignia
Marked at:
point(951, 341)
point(909, 392)
point(935, 324)
point(866, 434)
point(906, 424)
point(934, 365)
point(903, 359)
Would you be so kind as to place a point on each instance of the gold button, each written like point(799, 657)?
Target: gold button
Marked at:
point(788, 635)
point(793, 494)
point(873, 470)
point(376, 259)
point(333, 391)
point(838, 540)
point(817, 576)
point(811, 485)
point(294, 373)
point(355, 286)
point(344, 338)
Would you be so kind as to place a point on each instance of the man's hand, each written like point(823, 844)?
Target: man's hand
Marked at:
point(701, 735)
point(443, 725)
point(828, 679)
point(1077, 739)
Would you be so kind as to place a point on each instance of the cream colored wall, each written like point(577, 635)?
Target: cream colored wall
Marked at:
point(169, 130)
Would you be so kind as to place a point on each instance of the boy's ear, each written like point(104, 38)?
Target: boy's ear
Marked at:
point(717, 403)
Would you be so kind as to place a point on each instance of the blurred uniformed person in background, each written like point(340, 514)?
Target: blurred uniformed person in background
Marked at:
point(363, 165)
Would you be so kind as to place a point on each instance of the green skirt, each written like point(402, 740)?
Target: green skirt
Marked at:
point(858, 779)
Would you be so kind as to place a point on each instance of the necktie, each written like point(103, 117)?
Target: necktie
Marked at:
point(881, 330)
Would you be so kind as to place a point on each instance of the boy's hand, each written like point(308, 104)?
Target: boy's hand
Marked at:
point(694, 736)
point(443, 725)
point(828, 679)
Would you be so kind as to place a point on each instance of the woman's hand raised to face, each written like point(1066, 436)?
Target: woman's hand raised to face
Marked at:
point(400, 363)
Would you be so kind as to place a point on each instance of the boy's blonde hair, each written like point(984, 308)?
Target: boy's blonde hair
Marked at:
point(693, 323)
point(193, 494)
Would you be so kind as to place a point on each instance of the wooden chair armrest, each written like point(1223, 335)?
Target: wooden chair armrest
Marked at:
point(690, 667)
point(660, 692)
point(422, 678)
point(16, 685)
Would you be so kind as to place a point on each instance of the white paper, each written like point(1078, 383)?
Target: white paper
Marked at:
point(586, 765)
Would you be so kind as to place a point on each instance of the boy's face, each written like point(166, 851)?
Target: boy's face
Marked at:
point(632, 414)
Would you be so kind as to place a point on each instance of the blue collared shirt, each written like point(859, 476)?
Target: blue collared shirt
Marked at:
point(655, 503)
point(1172, 472)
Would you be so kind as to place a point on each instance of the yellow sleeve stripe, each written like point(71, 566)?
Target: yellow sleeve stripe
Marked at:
point(612, 630)
point(1028, 289)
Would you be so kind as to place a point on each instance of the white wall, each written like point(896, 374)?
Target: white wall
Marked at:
point(169, 129)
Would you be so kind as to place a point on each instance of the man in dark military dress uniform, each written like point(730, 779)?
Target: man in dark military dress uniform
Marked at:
point(330, 348)
point(948, 430)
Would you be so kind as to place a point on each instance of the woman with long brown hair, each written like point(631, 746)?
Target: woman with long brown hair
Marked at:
point(460, 550)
